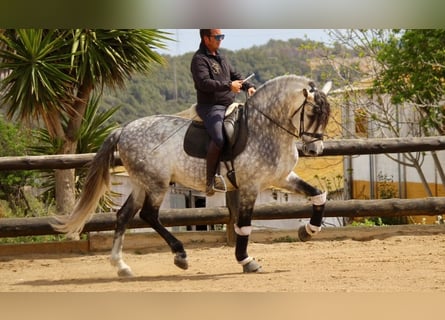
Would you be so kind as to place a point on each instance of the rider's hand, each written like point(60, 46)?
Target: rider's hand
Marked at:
point(236, 86)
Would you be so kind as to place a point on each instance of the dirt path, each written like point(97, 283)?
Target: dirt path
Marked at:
point(395, 264)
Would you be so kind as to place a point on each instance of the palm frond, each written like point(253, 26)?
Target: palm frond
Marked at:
point(109, 57)
point(37, 81)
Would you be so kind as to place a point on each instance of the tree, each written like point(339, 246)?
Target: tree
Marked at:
point(415, 71)
point(407, 67)
point(51, 74)
point(96, 127)
point(13, 142)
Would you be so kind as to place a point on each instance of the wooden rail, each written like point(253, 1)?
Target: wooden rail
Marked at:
point(331, 148)
point(13, 227)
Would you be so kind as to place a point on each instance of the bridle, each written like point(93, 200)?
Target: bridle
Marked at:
point(301, 131)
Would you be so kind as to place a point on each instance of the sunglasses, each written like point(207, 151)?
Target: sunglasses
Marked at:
point(218, 37)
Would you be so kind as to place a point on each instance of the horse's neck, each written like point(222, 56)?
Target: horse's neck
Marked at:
point(277, 108)
point(266, 125)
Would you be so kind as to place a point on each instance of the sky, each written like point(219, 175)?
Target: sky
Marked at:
point(187, 40)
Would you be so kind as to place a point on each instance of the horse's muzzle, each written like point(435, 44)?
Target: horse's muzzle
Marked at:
point(314, 148)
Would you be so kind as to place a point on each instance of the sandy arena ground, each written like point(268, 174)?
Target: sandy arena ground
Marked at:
point(395, 264)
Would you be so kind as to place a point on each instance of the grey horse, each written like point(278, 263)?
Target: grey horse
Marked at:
point(151, 148)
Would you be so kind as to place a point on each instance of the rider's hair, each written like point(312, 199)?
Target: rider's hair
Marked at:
point(204, 32)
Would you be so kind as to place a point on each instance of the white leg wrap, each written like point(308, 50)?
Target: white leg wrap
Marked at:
point(120, 264)
point(319, 199)
point(312, 230)
point(243, 231)
point(245, 261)
point(116, 255)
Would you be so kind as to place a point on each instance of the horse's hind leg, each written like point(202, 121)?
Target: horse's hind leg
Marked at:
point(318, 199)
point(150, 214)
point(124, 215)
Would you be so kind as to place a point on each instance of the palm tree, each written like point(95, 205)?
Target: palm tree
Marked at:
point(95, 128)
point(49, 76)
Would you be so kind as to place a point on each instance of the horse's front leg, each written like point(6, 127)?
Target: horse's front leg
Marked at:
point(318, 199)
point(243, 229)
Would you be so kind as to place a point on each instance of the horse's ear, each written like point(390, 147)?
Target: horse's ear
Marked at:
point(305, 92)
point(327, 87)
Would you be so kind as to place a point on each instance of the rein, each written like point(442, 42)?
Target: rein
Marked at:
point(277, 124)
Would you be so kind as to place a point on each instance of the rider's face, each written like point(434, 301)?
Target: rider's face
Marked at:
point(213, 41)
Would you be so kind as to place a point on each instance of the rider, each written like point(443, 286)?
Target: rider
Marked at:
point(216, 83)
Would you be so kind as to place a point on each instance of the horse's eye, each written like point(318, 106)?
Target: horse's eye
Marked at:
point(316, 109)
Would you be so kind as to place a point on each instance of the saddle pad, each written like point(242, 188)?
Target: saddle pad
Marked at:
point(196, 140)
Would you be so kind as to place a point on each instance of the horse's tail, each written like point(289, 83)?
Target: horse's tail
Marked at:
point(97, 182)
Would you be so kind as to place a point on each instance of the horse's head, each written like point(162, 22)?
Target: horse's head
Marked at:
point(293, 103)
point(311, 118)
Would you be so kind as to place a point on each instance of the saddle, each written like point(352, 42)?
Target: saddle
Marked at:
point(197, 139)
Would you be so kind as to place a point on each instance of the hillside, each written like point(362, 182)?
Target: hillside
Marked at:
point(168, 89)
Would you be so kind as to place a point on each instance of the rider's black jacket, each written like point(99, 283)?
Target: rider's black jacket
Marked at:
point(212, 75)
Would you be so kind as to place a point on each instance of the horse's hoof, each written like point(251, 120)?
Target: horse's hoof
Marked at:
point(181, 261)
point(125, 273)
point(251, 267)
point(303, 235)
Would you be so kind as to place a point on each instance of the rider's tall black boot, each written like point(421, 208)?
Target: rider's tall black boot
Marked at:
point(213, 159)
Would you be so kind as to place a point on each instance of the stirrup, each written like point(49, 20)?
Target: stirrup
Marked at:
point(219, 184)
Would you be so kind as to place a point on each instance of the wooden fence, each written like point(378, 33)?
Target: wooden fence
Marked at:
point(13, 227)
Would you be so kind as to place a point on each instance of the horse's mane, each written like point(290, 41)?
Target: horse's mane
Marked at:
point(278, 84)
point(303, 80)
point(322, 100)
